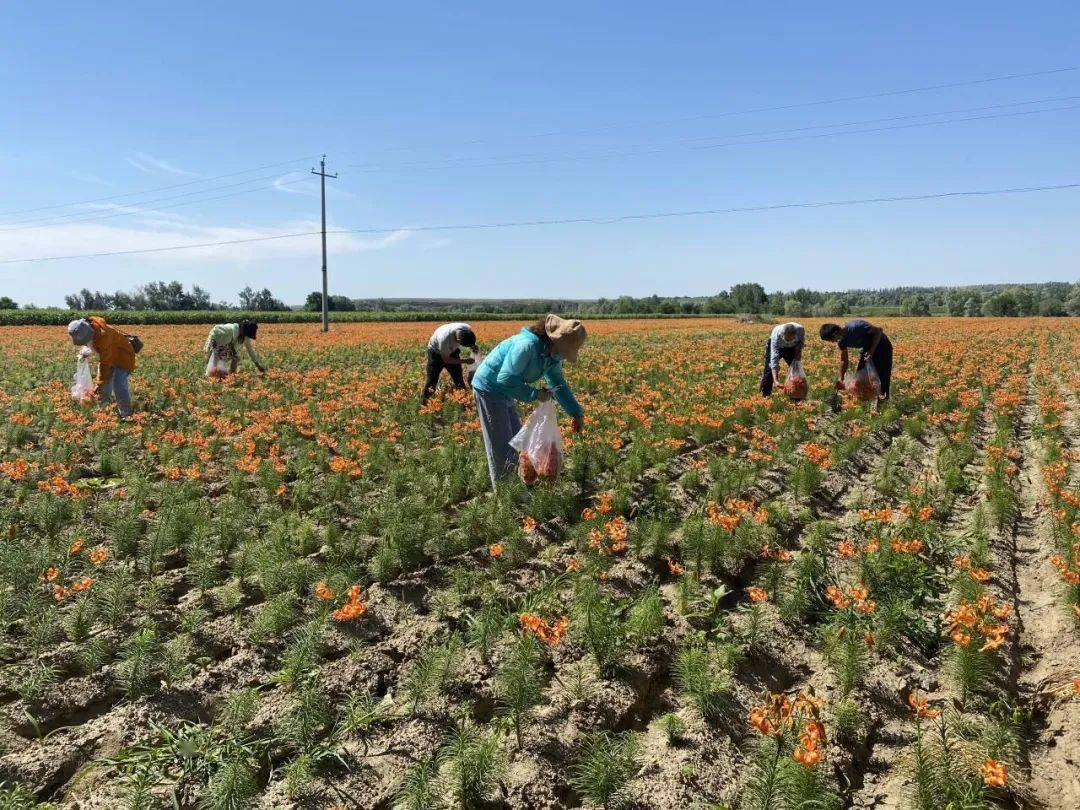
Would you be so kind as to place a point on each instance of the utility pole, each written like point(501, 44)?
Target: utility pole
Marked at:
point(322, 182)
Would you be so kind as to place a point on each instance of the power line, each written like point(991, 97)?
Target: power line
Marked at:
point(84, 216)
point(775, 108)
point(591, 220)
point(155, 190)
point(724, 114)
point(694, 144)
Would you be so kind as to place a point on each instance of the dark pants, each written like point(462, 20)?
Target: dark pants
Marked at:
point(435, 365)
point(766, 376)
point(882, 358)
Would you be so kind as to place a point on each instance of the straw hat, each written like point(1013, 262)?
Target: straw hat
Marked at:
point(567, 336)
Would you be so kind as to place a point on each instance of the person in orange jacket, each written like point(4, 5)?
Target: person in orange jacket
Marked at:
point(116, 355)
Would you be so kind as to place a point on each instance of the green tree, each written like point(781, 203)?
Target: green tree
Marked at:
point(1001, 305)
point(1025, 301)
point(261, 301)
point(719, 304)
point(1072, 304)
point(954, 302)
point(748, 298)
point(833, 307)
point(973, 307)
point(334, 303)
point(1052, 307)
point(794, 308)
point(915, 305)
point(7, 303)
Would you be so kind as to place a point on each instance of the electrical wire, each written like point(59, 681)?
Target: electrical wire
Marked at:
point(775, 108)
point(157, 189)
point(592, 220)
point(85, 216)
point(693, 145)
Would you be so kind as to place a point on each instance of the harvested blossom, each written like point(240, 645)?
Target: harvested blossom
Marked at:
point(993, 773)
point(550, 634)
point(353, 608)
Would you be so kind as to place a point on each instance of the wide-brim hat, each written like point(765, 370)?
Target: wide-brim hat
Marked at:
point(567, 336)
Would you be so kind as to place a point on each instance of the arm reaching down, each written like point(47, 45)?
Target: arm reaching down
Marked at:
point(561, 389)
point(254, 357)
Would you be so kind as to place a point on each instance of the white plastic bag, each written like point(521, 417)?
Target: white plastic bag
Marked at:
point(217, 368)
point(795, 384)
point(540, 445)
point(864, 384)
point(82, 386)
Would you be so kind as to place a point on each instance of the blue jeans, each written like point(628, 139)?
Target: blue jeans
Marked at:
point(499, 422)
point(118, 384)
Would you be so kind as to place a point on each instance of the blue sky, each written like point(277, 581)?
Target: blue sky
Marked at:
point(439, 113)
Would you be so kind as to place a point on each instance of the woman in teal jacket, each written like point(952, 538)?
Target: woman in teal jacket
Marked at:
point(507, 375)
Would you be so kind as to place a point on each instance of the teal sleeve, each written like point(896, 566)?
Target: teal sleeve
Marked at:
point(556, 380)
point(511, 378)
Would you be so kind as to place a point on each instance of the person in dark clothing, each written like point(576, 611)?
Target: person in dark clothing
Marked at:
point(785, 343)
point(872, 343)
point(444, 351)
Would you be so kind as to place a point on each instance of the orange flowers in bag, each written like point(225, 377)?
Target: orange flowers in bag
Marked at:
point(526, 470)
point(864, 384)
point(540, 445)
point(795, 384)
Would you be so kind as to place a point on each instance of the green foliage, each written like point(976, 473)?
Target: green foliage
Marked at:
point(519, 681)
point(597, 622)
point(848, 718)
point(140, 662)
point(473, 762)
point(645, 619)
point(421, 789)
point(702, 681)
point(777, 782)
point(673, 727)
point(605, 767)
point(19, 797)
point(483, 628)
point(848, 656)
point(306, 722)
point(431, 671)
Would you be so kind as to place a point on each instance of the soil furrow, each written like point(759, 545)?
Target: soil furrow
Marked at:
point(1050, 652)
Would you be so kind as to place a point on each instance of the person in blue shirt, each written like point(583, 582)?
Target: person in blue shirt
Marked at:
point(872, 343)
point(507, 375)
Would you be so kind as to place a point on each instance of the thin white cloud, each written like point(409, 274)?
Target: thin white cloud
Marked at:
point(292, 186)
point(143, 214)
point(153, 165)
point(86, 177)
point(436, 244)
point(87, 238)
point(308, 188)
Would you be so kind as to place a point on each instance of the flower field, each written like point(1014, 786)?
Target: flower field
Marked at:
point(295, 590)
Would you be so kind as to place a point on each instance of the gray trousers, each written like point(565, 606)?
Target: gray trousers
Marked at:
point(499, 422)
point(117, 384)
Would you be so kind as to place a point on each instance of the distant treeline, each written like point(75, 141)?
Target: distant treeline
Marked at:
point(61, 317)
point(1045, 298)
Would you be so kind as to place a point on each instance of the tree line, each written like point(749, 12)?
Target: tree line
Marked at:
point(170, 296)
point(1052, 299)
